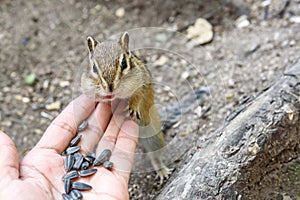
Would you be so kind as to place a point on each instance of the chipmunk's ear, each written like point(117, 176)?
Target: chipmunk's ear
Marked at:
point(92, 43)
point(124, 41)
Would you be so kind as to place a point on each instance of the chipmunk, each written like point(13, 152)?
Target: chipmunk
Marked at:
point(115, 72)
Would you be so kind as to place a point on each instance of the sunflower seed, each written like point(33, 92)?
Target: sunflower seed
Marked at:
point(87, 172)
point(91, 154)
point(75, 140)
point(85, 165)
point(71, 150)
point(107, 164)
point(89, 159)
point(69, 162)
point(76, 194)
point(81, 186)
point(67, 197)
point(82, 126)
point(67, 185)
point(71, 175)
point(78, 162)
point(77, 155)
point(104, 156)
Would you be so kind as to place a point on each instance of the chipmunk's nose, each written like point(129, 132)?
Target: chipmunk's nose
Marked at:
point(110, 87)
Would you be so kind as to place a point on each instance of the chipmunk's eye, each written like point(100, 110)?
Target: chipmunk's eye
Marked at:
point(95, 68)
point(123, 64)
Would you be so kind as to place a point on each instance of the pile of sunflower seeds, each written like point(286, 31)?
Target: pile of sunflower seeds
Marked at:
point(79, 165)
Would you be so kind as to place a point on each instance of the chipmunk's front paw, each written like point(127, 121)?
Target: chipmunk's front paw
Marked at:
point(163, 173)
point(134, 114)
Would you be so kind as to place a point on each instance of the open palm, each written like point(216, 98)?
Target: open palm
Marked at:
point(39, 174)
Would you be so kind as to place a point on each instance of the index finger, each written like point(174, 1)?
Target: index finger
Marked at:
point(64, 126)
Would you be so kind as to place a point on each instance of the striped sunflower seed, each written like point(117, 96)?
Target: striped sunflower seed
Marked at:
point(89, 159)
point(108, 164)
point(78, 162)
point(76, 194)
point(69, 162)
point(81, 186)
point(71, 150)
point(91, 154)
point(104, 156)
point(71, 175)
point(67, 197)
point(67, 185)
point(75, 140)
point(87, 172)
point(82, 126)
point(85, 165)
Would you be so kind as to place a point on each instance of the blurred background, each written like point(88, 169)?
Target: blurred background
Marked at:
point(237, 48)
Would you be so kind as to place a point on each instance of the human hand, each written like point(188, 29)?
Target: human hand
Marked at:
point(39, 174)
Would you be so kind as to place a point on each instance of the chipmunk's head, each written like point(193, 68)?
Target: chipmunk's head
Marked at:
point(111, 71)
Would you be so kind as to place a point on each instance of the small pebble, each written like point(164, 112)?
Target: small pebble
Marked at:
point(229, 96)
point(107, 164)
point(120, 12)
point(242, 22)
point(47, 115)
point(30, 79)
point(200, 33)
point(25, 41)
point(46, 84)
point(63, 84)
point(295, 19)
point(25, 100)
point(185, 75)
point(82, 126)
point(265, 3)
point(98, 7)
point(198, 111)
point(161, 61)
point(53, 106)
point(161, 37)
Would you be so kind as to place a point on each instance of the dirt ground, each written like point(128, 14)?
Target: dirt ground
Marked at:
point(47, 38)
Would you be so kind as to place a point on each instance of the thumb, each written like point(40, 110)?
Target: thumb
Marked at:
point(9, 161)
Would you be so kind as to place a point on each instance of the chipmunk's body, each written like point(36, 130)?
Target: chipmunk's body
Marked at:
point(115, 72)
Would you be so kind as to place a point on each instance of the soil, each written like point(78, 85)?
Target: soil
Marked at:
point(47, 38)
